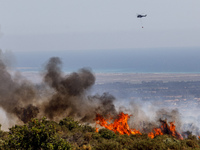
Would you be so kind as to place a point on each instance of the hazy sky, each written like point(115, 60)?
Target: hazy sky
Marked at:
point(98, 24)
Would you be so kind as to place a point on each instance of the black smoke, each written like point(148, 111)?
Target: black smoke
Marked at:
point(16, 95)
point(70, 96)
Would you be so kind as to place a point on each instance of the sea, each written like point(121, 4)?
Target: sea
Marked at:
point(146, 60)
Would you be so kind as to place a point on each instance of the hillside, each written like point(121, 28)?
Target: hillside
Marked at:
point(69, 134)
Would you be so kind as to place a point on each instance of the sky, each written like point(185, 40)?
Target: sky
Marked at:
point(64, 25)
point(103, 34)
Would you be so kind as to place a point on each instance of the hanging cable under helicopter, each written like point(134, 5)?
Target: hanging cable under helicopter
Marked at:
point(140, 16)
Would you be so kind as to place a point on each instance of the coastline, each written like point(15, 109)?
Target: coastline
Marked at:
point(111, 77)
point(147, 77)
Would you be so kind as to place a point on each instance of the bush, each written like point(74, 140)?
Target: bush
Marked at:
point(107, 134)
point(172, 143)
point(86, 128)
point(192, 144)
point(96, 136)
point(88, 136)
point(108, 145)
point(69, 123)
point(124, 140)
point(37, 134)
point(69, 134)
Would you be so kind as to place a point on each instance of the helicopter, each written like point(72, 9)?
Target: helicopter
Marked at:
point(140, 16)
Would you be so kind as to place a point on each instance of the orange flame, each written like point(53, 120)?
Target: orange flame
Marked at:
point(165, 129)
point(173, 129)
point(119, 125)
point(157, 131)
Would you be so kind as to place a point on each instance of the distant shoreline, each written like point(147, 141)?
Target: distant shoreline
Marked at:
point(139, 77)
point(111, 77)
point(103, 71)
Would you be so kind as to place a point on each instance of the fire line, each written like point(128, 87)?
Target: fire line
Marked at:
point(121, 126)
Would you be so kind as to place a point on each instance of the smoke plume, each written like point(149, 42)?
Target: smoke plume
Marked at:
point(61, 95)
point(21, 99)
point(70, 96)
point(16, 95)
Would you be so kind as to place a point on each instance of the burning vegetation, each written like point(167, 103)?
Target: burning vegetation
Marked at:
point(121, 126)
point(68, 96)
point(165, 129)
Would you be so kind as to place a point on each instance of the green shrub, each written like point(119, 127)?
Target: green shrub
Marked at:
point(88, 136)
point(108, 145)
point(87, 128)
point(192, 143)
point(124, 140)
point(192, 137)
point(96, 136)
point(37, 134)
point(49, 135)
point(69, 123)
point(107, 134)
point(172, 143)
point(138, 136)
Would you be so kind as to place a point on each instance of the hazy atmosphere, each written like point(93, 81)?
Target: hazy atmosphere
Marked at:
point(96, 60)
point(103, 35)
point(98, 25)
